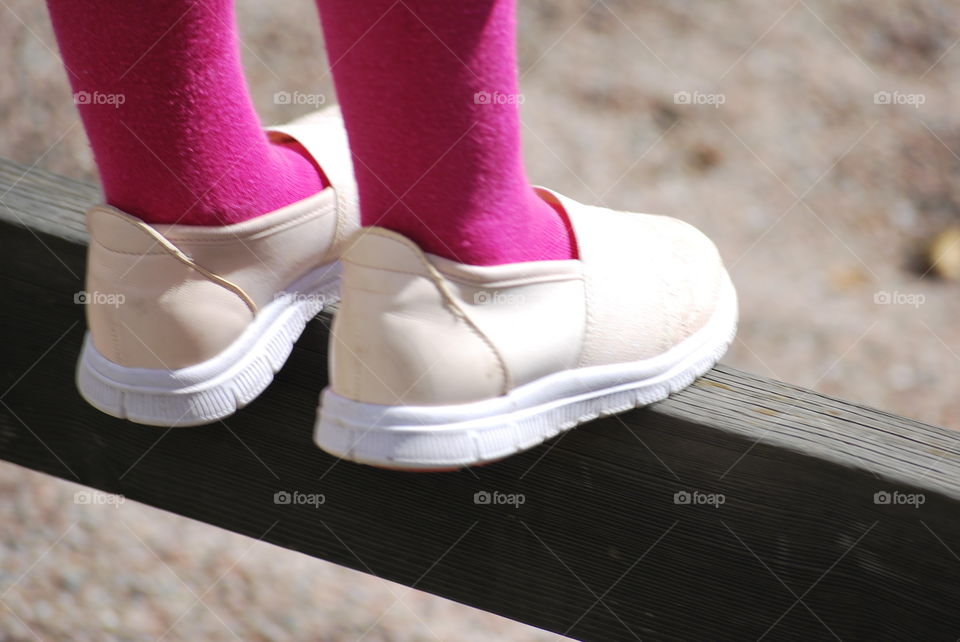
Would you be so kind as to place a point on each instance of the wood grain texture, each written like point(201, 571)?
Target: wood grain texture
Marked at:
point(600, 549)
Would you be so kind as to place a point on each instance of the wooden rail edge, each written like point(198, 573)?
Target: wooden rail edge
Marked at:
point(741, 508)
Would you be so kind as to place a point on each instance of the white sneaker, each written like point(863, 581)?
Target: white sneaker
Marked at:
point(188, 323)
point(436, 364)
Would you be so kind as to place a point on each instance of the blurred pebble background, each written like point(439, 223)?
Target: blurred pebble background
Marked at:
point(816, 142)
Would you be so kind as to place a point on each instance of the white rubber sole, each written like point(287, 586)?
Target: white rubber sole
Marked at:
point(445, 437)
point(216, 388)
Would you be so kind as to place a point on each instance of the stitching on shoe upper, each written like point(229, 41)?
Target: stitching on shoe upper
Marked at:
point(440, 283)
point(116, 251)
point(115, 340)
point(179, 255)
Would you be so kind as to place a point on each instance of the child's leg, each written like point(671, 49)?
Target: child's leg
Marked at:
point(428, 90)
point(161, 92)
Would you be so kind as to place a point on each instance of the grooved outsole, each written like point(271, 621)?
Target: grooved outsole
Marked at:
point(204, 404)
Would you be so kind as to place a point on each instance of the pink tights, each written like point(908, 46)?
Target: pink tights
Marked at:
point(163, 100)
point(428, 90)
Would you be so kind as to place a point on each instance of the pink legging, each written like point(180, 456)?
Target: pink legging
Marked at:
point(428, 90)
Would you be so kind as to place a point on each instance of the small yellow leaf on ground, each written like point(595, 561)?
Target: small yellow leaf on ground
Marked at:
point(944, 254)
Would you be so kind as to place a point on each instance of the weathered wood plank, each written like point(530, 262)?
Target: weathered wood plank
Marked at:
point(600, 549)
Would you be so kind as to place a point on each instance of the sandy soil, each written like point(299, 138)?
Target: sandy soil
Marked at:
point(758, 121)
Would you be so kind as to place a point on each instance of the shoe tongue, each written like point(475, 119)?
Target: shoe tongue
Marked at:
point(324, 137)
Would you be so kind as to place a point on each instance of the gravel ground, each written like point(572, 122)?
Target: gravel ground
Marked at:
point(821, 193)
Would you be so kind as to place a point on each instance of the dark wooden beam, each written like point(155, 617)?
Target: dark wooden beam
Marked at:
point(785, 537)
